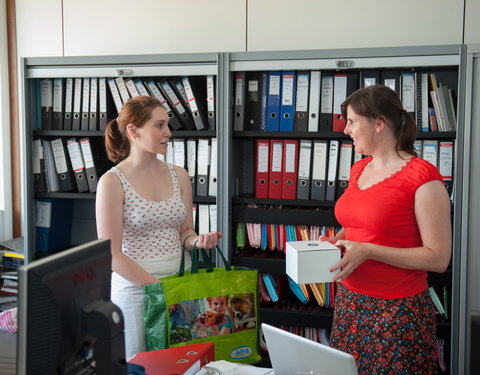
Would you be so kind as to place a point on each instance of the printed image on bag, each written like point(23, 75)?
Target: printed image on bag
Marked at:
point(211, 316)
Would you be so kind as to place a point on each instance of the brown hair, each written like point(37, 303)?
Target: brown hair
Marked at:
point(381, 102)
point(135, 111)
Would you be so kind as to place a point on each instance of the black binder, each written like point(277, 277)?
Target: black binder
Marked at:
point(255, 100)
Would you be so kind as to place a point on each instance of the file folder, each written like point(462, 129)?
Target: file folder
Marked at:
point(102, 103)
point(57, 104)
point(77, 104)
point(142, 90)
point(197, 101)
point(244, 178)
point(290, 168)
point(332, 170)
point(51, 176)
point(273, 101)
point(202, 167)
point(179, 90)
point(203, 219)
point(67, 121)
point(409, 93)
point(122, 89)
point(46, 103)
point(301, 102)
point(212, 213)
point(319, 169)
point(344, 165)
point(179, 152)
point(62, 165)
point(170, 156)
point(326, 104)
point(239, 109)
point(192, 163)
point(53, 224)
point(430, 151)
point(92, 125)
point(255, 101)
point(85, 104)
point(90, 168)
point(369, 78)
point(262, 167)
point(174, 101)
point(275, 170)
point(173, 121)
point(445, 166)
point(287, 106)
point(115, 94)
point(212, 181)
point(131, 88)
point(391, 78)
point(78, 165)
point(314, 100)
point(38, 167)
point(305, 156)
point(421, 105)
point(344, 85)
point(211, 102)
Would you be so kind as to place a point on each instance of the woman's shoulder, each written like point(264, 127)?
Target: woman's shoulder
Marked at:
point(423, 170)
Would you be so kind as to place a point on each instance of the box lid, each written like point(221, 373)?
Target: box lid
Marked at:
point(312, 246)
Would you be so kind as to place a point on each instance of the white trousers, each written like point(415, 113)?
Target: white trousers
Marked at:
point(129, 298)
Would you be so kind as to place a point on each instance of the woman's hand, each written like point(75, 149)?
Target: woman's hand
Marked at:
point(208, 240)
point(354, 254)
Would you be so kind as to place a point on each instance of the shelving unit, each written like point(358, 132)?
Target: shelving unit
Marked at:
point(446, 60)
point(231, 206)
point(141, 66)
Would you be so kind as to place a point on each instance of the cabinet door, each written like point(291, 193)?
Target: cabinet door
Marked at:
point(283, 25)
point(122, 27)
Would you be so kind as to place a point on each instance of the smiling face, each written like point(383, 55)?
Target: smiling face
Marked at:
point(362, 130)
point(155, 133)
point(218, 304)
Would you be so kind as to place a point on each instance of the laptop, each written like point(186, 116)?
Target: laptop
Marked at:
point(292, 354)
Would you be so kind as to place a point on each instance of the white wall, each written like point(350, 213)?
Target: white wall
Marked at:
point(313, 24)
point(472, 21)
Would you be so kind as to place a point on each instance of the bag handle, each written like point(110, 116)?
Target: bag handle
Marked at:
point(206, 258)
point(194, 258)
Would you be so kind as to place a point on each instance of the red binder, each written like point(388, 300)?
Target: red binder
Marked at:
point(262, 167)
point(275, 170)
point(290, 169)
point(180, 360)
point(339, 95)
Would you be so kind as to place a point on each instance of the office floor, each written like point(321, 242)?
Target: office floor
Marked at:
point(8, 351)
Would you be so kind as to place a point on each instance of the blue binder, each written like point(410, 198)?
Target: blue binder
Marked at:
point(53, 224)
point(273, 101)
point(287, 101)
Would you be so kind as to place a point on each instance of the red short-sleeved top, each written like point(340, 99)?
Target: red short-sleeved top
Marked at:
point(383, 214)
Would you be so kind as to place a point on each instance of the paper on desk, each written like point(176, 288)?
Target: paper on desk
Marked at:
point(246, 370)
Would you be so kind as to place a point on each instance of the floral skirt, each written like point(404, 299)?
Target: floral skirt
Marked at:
point(386, 336)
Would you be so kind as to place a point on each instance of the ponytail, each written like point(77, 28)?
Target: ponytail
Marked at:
point(116, 142)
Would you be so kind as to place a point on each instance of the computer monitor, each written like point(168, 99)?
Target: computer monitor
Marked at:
point(474, 342)
point(66, 316)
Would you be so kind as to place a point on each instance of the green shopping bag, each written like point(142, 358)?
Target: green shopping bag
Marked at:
point(212, 304)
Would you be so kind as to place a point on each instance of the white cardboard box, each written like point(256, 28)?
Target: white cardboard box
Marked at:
point(310, 261)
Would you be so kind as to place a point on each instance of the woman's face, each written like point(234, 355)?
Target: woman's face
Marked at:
point(362, 130)
point(155, 133)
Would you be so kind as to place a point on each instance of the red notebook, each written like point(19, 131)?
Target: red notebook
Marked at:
point(182, 360)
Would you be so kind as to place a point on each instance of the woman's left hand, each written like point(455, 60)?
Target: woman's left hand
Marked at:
point(208, 240)
point(355, 254)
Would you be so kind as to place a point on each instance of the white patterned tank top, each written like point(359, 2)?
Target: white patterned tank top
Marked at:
point(151, 229)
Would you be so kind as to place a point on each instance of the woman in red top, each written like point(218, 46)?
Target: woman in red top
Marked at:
point(395, 217)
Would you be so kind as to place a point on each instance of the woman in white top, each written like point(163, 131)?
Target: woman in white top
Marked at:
point(144, 206)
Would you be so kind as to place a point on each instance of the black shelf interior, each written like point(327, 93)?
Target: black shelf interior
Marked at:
point(284, 216)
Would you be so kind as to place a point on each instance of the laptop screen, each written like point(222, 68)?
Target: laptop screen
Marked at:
point(291, 354)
